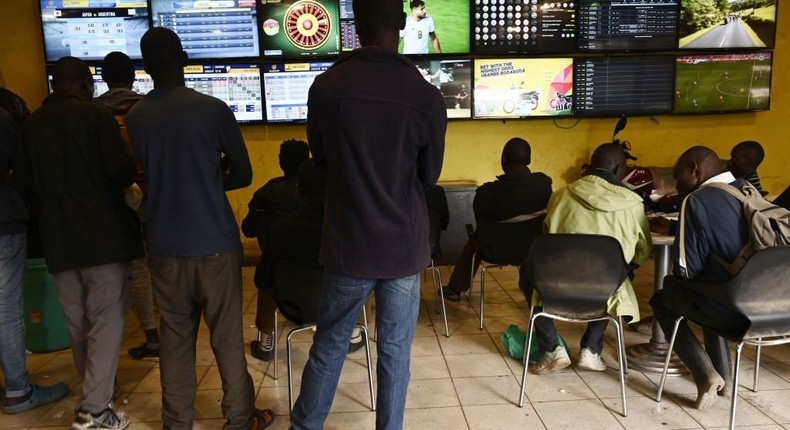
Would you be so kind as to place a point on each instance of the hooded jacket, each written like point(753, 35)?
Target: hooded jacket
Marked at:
point(593, 205)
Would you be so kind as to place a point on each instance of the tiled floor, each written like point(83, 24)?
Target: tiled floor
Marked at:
point(465, 381)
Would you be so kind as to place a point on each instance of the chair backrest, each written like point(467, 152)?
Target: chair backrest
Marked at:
point(761, 292)
point(576, 274)
point(297, 291)
point(507, 242)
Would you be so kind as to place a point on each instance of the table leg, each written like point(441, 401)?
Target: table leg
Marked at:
point(649, 357)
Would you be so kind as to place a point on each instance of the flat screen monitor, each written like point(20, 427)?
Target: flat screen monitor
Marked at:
point(299, 28)
point(454, 79)
point(614, 86)
point(238, 85)
point(142, 81)
point(628, 25)
point(348, 30)
point(91, 29)
point(287, 86)
point(435, 23)
point(211, 28)
point(705, 24)
point(531, 26)
point(523, 87)
point(723, 83)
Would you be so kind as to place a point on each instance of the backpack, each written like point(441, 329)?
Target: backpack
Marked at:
point(768, 224)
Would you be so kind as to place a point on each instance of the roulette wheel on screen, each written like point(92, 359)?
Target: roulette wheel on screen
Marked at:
point(307, 24)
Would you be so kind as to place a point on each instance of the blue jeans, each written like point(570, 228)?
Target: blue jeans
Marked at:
point(342, 298)
point(13, 250)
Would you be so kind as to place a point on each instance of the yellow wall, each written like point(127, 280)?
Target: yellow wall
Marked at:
point(473, 147)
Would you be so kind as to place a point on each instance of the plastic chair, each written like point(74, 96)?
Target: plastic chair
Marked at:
point(757, 296)
point(576, 274)
point(438, 219)
point(500, 244)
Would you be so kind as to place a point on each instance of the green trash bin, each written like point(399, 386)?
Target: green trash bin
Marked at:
point(45, 326)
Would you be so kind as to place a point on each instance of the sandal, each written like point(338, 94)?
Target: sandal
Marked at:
point(263, 419)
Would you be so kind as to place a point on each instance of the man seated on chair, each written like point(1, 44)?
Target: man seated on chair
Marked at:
point(295, 239)
point(711, 228)
point(518, 192)
point(598, 203)
point(745, 158)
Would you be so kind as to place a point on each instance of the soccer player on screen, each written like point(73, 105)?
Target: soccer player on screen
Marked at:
point(419, 27)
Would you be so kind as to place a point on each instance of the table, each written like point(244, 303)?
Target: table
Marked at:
point(649, 357)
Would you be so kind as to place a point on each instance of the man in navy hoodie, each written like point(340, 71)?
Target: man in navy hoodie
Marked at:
point(378, 128)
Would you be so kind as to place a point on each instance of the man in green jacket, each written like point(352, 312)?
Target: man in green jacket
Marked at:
point(595, 204)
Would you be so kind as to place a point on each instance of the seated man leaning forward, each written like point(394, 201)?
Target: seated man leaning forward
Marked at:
point(598, 203)
point(518, 192)
point(711, 224)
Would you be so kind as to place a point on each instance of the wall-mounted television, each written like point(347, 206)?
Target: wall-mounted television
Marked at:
point(432, 23)
point(143, 83)
point(628, 25)
point(89, 30)
point(298, 28)
point(523, 87)
point(709, 24)
point(287, 86)
point(348, 30)
point(453, 77)
point(211, 28)
point(532, 26)
point(723, 83)
point(238, 85)
point(615, 86)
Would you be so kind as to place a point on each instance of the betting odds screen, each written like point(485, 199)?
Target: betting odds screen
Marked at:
point(626, 25)
point(211, 28)
point(91, 29)
point(723, 83)
point(612, 86)
point(535, 26)
point(523, 87)
point(298, 28)
point(348, 30)
point(238, 85)
point(143, 83)
point(287, 86)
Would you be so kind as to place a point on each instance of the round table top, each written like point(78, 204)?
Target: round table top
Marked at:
point(661, 239)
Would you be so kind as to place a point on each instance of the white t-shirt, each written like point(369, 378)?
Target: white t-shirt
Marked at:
point(416, 35)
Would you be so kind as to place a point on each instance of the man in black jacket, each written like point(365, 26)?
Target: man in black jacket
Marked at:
point(20, 394)
point(379, 129)
point(518, 192)
point(75, 165)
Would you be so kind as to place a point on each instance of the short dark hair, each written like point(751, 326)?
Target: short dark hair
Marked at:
point(69, 71)
point(607, 156)
point(517, 151)
point(371, 16)
point(293, 153)
point(753, 152)
point(162, 50)
point(414, 4)
point(117, 67)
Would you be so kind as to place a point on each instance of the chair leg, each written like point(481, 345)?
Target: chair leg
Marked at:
point(623, 358)
point(482, 294)
point(291, 334)
point(668, 358)
point(437, 284)
point(621, 352)
point(757, 364)
point(735, 377)
point(471, 282)
point(276, 368)
point(527, 348)
point(370, 368)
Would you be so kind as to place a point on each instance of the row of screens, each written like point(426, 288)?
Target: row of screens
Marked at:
point(513, 88)
point(212, 29)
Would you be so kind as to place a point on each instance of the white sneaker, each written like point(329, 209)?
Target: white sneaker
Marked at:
point(107, 419)
point(552, 361)
point(590, 360)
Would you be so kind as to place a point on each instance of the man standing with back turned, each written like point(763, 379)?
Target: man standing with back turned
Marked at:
point(378, 128)
point(192, 152)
